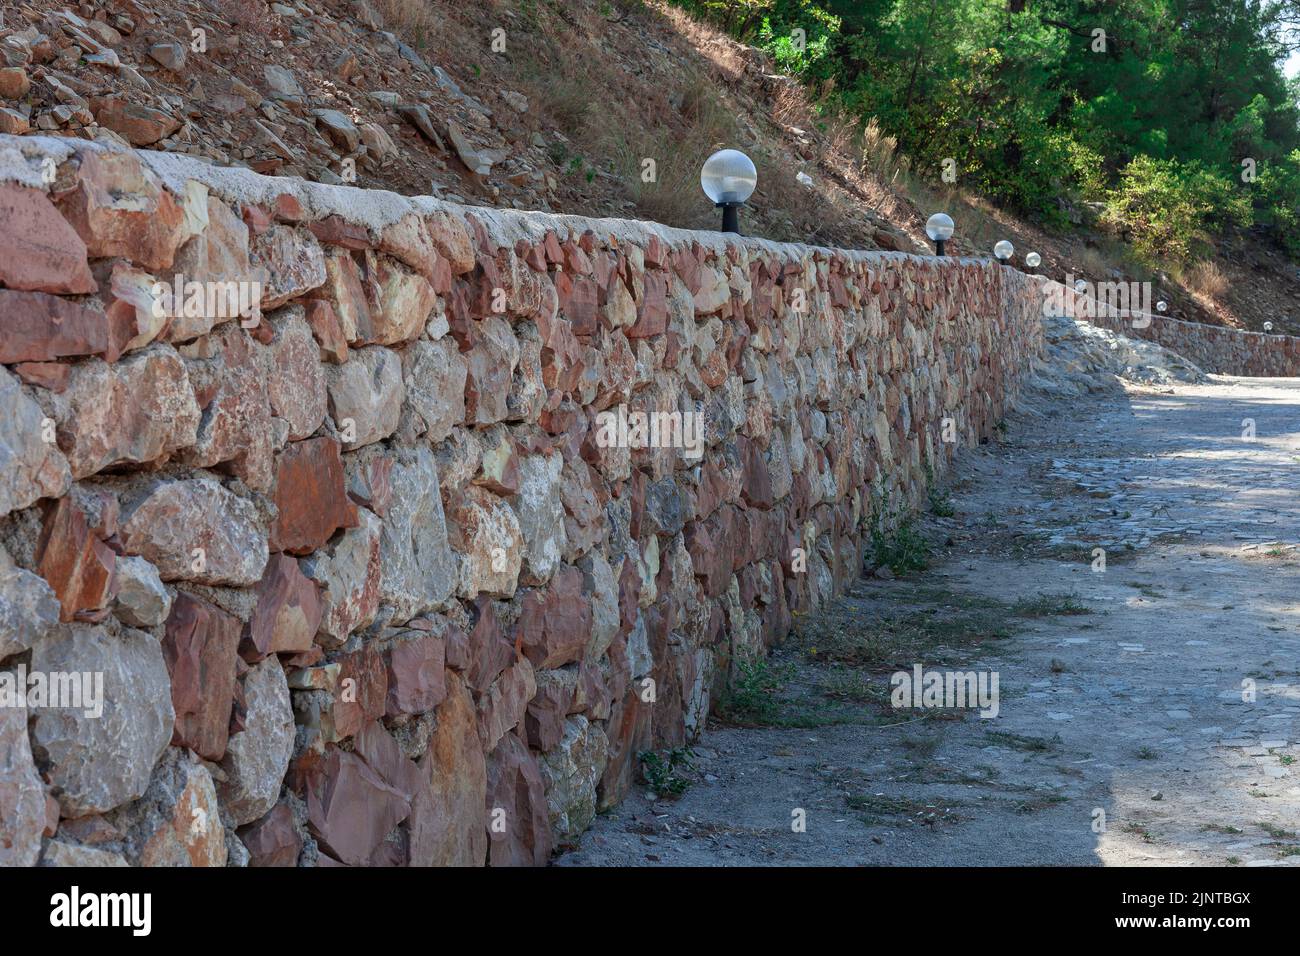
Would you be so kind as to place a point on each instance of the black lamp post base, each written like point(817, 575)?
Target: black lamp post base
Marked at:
point(730, 216)
point(939, 245)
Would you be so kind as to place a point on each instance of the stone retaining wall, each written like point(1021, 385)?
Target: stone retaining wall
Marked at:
point(365, 580)
point(1213, 348)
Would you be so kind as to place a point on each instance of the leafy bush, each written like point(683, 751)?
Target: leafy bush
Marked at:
point(1166, 208)
point(665, 774)
point(1279, 200)
point(902, 550)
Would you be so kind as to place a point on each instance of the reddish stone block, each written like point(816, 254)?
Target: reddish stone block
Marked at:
point(39, 251)
point(311, 496)
point(119, 209)
point(544, 719)
point(287, 614)
point(337, 231)
point(488, 650)
point(652, 310)
point(256, 218)
point(555, 623)
point(362, 690)
point(515, 786)
point(200, 648)
point(756, 479)
point(629, 595)
point(579, 302)
point(48, 375)
point(77, 565)
point(351, 808)
point(287, 208)
point(417, 679)
point(273, 840)
point(40, 327)
point(327, 330)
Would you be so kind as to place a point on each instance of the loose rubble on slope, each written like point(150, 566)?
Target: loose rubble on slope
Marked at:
point(333, 92)
point(322, 91)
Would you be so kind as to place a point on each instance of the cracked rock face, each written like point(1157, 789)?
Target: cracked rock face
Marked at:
point(418, 566)
point(98, 763)
point(28, 608)
point(196, 530)
point(258, 756)
point(137, 411)
point(447, 818)
point(570, 773)
point(31, 466)
point(141, 600)
point(176, 822)
point(348, 571)
point(541, 516)
point(22, 796)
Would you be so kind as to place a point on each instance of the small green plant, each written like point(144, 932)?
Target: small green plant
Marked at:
point(1147, 753)
point(664, 773)
point(1040, 803)
point(902, 551)
point(1023, 742)
point(1277, 832)
point(1139, 830)
point(941, 503)
point(921, 746)
point(754, 695)
point(1047, 605)
point(1221, 828)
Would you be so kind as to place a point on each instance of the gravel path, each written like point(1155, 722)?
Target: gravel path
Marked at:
point(1121, 692)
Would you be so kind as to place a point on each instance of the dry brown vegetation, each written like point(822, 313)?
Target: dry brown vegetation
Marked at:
point(617, 83)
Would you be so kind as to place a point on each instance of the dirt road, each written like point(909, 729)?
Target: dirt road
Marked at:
point(1148, 714)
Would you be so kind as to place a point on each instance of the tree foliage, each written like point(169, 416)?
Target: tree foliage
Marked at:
point(1152, 107)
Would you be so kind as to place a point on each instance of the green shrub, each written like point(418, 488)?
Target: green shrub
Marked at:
point(1166, 209)
point(1278, 200)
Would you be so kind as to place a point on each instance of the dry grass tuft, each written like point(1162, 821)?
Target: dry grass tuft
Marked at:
point(1207, 279)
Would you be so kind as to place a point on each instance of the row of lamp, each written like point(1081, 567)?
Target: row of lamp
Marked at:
point(939, 228)
point(728, 178)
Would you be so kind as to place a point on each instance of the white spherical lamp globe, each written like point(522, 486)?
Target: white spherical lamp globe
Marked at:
point(1004, 250)
point(939, 227)
point(1268, 326)
point(1033, 259)
point(1081, 286)
point(1161, 305)
point(728, 176)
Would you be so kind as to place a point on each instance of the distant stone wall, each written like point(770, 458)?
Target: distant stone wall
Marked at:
point(372, 574)
point(1213, 348)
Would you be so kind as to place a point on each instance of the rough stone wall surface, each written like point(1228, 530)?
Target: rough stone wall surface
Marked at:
point(365, 579)
point(1213, 348)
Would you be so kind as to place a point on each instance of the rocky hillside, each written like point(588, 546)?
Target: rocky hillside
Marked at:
point(552, 106)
